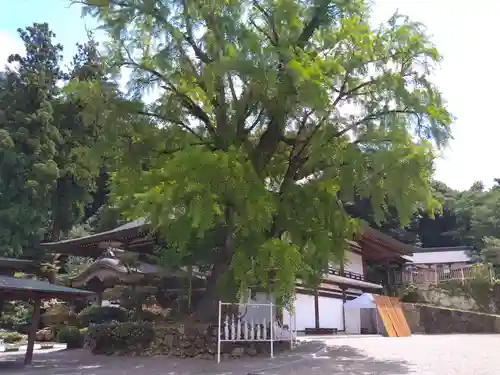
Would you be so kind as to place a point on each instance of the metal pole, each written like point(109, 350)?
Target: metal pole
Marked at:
point(272, 328)
point(219, 331)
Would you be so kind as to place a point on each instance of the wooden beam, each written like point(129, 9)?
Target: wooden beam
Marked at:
point(32, 333)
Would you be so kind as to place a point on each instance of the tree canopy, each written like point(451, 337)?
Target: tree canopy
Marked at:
point(47, 179)
point(267, 117)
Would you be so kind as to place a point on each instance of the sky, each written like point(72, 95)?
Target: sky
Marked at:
point(465, 35)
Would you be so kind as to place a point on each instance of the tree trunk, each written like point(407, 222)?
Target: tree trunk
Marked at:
point(207, 308)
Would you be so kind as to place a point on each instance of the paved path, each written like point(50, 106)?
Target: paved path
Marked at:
point(417, 355)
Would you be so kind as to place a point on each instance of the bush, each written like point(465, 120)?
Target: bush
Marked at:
point(121, 338)
point(58, 314)
point(70, 336)
point(147, 316)
point(12, 337)
point(101, 315)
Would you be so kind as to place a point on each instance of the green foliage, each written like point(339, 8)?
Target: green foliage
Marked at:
point(71, 336)
point(29, 139)
point(47, 176)
point(122, 338)
point(484, 291)
point(410, 293)
point(12, 337)
point(57, 315)
point(250, 150)
point(101, 314)
point(16, 316)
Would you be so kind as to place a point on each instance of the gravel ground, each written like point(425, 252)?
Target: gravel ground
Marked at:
point(417, 355)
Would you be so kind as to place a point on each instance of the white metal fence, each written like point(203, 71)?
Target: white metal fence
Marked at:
point(254, 322)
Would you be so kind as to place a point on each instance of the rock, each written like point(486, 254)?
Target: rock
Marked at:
point(205, 356)
point(238, 352)
point(212, 348)
point(45, 334)
point(191, 352)
point(185, 343)
point(199, 342)
point(251, 351)
point(169, 340)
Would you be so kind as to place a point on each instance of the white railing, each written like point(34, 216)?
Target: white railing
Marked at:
point(433, 276)
point(256, 327)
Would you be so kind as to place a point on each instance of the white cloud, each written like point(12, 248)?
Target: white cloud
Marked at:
point(8, 46)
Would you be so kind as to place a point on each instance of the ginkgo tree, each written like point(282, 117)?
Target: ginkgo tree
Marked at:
point(269, 115)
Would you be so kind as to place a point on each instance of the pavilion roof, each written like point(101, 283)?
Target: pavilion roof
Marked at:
point(134, 237)
point(16, 288)
point(130, 234)
point(16, 264)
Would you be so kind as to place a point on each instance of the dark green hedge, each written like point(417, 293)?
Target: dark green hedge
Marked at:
point(101, 315)
point(71, 336)
point(120, 338)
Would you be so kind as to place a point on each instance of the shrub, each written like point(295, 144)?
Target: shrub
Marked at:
point(410, 293)
point(70, 336)
point(12, 337)
point(147, 316)
point(58, 314)
point(101, 315)
point(121, 338)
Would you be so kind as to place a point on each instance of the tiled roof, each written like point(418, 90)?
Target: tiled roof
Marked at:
point(437, 257)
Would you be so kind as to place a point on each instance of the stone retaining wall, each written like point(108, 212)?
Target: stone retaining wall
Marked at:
point(429, 319)
point(191, 341)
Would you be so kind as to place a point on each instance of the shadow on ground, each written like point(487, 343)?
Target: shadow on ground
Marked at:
point(309, 359)
point(345, 360)
point(81, 362)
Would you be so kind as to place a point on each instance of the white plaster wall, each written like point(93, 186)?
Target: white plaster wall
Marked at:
point(354, 263)
point(330, 313)
point(304, 313)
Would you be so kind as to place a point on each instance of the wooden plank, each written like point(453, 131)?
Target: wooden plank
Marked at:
point(393, 316)
point(384, 313)
point(403, 327)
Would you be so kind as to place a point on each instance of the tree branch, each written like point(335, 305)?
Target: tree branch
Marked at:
point(373, 116)
point(173, 121)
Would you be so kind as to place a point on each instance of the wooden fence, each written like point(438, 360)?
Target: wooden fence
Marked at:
point(435, 276)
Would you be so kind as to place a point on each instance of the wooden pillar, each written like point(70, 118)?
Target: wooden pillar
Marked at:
point(344, 298)
point(99, 298)
point(32, 333)
point(316, 310)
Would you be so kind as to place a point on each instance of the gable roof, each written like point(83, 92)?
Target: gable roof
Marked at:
point(459, 254)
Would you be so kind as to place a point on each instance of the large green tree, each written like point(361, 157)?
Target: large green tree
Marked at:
point(48, 181)
point(29, 137)
point(269, 115)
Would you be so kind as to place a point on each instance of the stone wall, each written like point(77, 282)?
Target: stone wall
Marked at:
point(440, 297)
point(429, 319)
point(196, 340)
